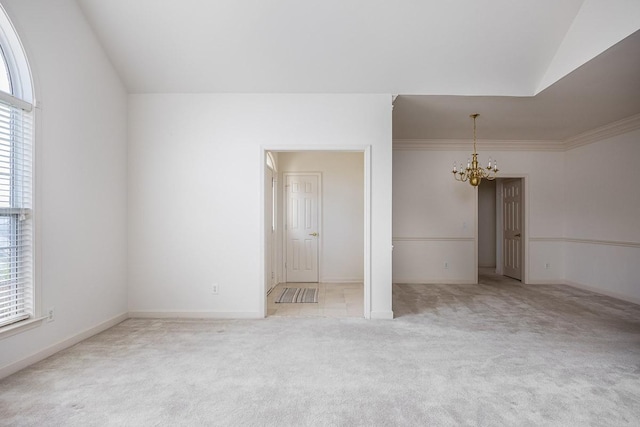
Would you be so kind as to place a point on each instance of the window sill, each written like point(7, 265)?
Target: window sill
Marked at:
point(19, 327)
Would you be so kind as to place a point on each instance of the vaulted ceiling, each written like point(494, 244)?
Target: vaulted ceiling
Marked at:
point(604, 90)
point(446, 59)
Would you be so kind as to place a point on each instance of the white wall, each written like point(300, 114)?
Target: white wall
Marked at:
point(434, 215)
point(81, 175)
point(195, 207)
point(603, 211)
point(342, 240)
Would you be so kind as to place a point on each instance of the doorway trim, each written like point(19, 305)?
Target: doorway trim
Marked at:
point(366, 151)
point(525, 245)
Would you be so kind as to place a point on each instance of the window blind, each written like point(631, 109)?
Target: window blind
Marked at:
point(16, 278)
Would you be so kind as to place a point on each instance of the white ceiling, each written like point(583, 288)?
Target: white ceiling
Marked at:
point(462, 47)
point(485, 48)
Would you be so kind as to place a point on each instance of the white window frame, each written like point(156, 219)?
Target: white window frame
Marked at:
point(19, 152)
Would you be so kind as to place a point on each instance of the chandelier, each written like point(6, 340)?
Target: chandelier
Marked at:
point(474, 172)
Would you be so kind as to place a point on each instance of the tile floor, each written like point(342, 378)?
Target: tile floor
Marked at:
point(334, 300)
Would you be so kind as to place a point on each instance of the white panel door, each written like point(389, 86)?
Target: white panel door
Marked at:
point(302, 192)
point(512, 228)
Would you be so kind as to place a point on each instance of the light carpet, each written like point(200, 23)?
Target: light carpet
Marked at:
point(457, 355)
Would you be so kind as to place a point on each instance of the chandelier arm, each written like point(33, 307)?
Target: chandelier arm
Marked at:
point(460, 176)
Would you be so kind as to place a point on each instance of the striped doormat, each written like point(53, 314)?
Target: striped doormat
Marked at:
point(298, 295)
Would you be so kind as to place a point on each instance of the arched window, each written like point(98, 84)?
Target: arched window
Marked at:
point(5, 78)
point(16, 165)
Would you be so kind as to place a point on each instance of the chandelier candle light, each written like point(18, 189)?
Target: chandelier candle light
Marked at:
point(474, 172)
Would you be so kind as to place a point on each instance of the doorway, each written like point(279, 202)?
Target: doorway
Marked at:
point(512, 228)
point(334, 247)
point(501, 227)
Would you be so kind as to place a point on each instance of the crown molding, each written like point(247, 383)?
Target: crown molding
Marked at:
point(484, 145)
point(599, 134)
point(603, 132)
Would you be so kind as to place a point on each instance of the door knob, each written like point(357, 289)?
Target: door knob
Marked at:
point(517, 235)
point(313, 234)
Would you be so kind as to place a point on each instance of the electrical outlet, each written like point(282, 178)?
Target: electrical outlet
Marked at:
point(547, 266)
point(446, 265)
point(215, 289)
point(51, 315)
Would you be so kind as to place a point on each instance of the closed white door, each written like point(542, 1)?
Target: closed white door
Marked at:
point(303, 205)
point(512, 228)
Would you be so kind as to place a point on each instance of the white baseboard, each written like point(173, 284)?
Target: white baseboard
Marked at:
point(341, 280)
point(194, 315)
point(604, 292)
point(14, 367)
